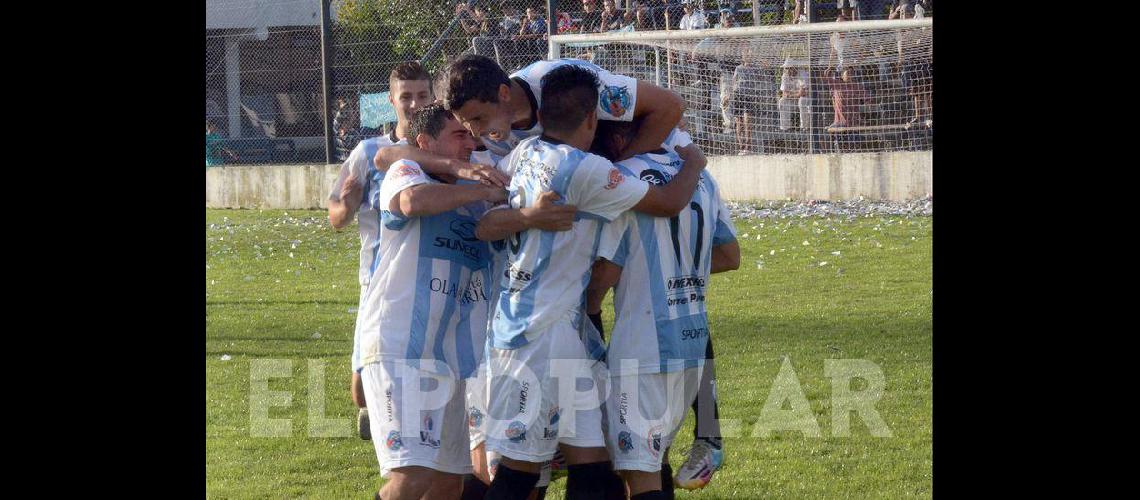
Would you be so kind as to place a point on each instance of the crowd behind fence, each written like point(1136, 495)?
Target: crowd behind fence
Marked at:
point(815, 92)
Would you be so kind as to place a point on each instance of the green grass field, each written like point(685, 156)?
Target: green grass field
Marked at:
point(281, 285)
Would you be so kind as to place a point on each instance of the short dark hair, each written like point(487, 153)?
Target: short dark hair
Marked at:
point(408, 71)
point(472, 77)
point(604, 137)
point(568, 94)
point(428, 120)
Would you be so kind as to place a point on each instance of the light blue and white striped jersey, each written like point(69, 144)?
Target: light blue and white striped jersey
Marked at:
point(617, 95)
point(666, 262)
point(429, 302)
point(547, 272)
point(359, 162)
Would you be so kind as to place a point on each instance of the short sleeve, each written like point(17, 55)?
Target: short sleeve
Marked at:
point(614, 242)
point(402, 175)
point(617, 97)
point(599, 188)
point(357, 162)
point(677, 137)
point(725, 230)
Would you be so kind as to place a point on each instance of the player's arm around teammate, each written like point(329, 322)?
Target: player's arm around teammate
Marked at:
point(439, 165)
point(545, 215)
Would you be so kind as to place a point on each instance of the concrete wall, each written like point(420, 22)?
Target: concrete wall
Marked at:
point(896, 176)
point(270, 186)
point(902, 175)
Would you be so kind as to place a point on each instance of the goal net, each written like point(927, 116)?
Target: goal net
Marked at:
point(800, 89)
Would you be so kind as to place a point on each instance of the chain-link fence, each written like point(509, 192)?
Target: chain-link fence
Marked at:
point(265, 87)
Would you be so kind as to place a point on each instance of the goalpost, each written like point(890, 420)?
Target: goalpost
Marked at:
point(791, 89)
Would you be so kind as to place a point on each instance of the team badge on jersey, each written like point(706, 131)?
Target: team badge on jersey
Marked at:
point(654, 441)
point(406, 170)
point(614, 100)
point(516, 431)
point(625, 442)
point(474, 417)
point(394, 442)
point(615, 178)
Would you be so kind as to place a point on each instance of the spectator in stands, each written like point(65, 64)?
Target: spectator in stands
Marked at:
point(839, 41)
point(916, 66)
point(344, 128)
point(642, 19)
point(564, 22)
point(848, 9)
point(754, 96)
point(591, 18)
point(668, 13)
point(532, 32)
point(477, 24)
point(214, 147)
point(847, 97)
point(733, 5)
point(794, 92)
point(799, 13)
point(902, 10)
point(727, 19)
point(694, 18)
point(509, 26)
point(920, 9)
point(612, 17)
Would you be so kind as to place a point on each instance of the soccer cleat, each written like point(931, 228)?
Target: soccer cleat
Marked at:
point(362, 426)
point(704, 460)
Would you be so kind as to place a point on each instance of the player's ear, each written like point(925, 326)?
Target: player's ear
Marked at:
point(504, 92)
point(423, 141)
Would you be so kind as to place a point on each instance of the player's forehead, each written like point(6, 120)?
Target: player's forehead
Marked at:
point(474, 108)
point(450, 128)
point(410, 86)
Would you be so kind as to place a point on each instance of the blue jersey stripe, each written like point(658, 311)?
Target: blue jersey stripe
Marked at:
point(420, 311)
point(448, 311)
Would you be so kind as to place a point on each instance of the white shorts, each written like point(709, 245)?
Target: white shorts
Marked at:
point(527, 417)
point(476, 424)
point(427, 429)
point(637, 440)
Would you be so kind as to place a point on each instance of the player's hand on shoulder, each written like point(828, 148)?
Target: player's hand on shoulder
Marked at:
point(486, 174)
point(547, 216)
point(692, 156)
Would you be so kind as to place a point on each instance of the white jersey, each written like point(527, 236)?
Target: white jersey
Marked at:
point(666, 262)
point(429, 302)
point(359, 162)
point(617, 96)
point(547, 272)
point(368, 178)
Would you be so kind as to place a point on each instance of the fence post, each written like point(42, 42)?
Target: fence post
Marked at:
point(326, 77)
point(551, 28)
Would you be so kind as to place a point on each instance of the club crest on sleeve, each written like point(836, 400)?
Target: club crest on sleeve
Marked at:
point(615, 178)
point(614, 100)
point(406, 170)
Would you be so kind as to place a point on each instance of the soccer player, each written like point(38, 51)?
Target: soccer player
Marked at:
point(502, 109)
point(538, 318)
point(424, 316)
point(410, 89)
point(655, 366)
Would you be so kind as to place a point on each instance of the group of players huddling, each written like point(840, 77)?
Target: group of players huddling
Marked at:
point(493, 221)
